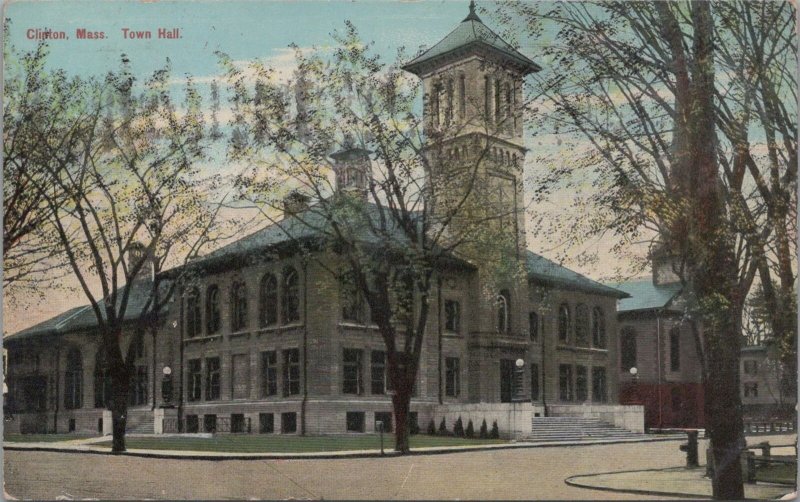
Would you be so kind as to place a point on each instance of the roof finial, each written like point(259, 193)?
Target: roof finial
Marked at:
point(472, 16)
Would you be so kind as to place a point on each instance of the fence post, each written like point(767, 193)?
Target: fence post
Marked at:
point(751, 466)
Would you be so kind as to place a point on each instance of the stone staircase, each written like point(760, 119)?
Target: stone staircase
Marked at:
point(547, 429)
point(140, 424)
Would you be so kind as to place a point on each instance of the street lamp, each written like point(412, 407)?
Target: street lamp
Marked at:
point(635, 374)
point(166, 386)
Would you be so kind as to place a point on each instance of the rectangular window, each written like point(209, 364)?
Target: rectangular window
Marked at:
point(751, 389)
point(378, 371)
point(533, 326)
point(384, 417)
point(195, 380)
point(565, 382)
point(675, 350)
point(750, 367)
point(351, 381)
point(71, 425)
point(534, 382)
point(581, 383)
point(291, 372)
point(212, 379)
point(209, 423)
point(238, 423)
point(192, 423)
point(138, 391)
point(288, 422)
point(355, 421)
point(266, 423)
point(452, 377)
point(599, 392)
point(452, 313)
point(269, 373)
point(240, 376)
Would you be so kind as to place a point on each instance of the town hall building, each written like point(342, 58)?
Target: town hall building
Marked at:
point(267, 341)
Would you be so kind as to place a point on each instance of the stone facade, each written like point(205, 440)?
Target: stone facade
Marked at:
point(261, 343)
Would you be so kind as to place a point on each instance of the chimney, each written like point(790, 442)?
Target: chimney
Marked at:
point(136, 253)
point(294, 202)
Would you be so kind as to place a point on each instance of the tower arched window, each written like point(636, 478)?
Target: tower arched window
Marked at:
point(268, 300)
point(598, 328)
point(193, 326)
point(533, 326)
point(213, 314)
point(448, 116)
point(627, 340)
point(102, 380)
point(462, 98)
point(487, 98)
point(73, 380)
point(503, 312)
point(582, 325)
point(563, 323)
point(290, 298)
point(238, 306)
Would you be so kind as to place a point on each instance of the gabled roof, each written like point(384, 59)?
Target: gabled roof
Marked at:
point(471, 33)
point(645, 295)
point(540, 268)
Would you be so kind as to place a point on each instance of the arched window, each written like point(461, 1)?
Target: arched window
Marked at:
point(462, 98)
point(598, 328)
point(448, 117)
point(290, 296)
point(533, 321)
point(503, 317)
point(213, 316)
point(238, 306)
point(582, 325)
point(73, 380)
point(627, 340)
point(102, 380)
point(563, 323)
point(268, 301)
point(193, 326)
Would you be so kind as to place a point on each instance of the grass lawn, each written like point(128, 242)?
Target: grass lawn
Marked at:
point(777, 473)
point(43, 438)
point(268, 443)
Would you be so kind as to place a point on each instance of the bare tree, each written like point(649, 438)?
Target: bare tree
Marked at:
point(125, 197)
point(673, 103)
point(409, 198)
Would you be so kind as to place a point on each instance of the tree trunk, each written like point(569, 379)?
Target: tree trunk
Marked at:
point(120, 383)
point(401, 401)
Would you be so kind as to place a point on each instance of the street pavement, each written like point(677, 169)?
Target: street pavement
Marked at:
point(524, 473)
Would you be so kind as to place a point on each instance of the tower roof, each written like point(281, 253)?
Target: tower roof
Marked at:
point(471, 34)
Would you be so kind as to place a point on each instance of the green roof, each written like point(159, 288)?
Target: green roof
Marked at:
point(471, 34)
point(545, 270)
point(644, 295)
point(84, 317)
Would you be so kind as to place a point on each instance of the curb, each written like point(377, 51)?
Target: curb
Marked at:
point(570, 481)
point(166, 454)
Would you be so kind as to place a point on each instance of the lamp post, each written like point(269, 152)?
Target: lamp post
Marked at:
point(166, 386)
point(635, 374)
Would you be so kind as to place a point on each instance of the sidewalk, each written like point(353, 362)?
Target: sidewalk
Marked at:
point(87, 445)
point(672, 482)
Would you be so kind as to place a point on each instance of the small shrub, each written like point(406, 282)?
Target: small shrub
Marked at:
point(458, 428)
point(495, 434)
point(470, 433)
point(443, 428)
point(413, 427)
point(431, 428)
point(484, 430)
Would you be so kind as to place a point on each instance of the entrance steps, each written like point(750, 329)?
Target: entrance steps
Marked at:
point(544, 429)
point(140, 424)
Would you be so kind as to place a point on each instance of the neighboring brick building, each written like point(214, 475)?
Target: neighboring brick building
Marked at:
point(272, 342)
point(656, 340)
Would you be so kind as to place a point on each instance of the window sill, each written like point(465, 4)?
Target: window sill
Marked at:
point(452, 334)
point(238, 334)
point(277, 328)
point(352, 324)
point(203, 339)
point(581, 349)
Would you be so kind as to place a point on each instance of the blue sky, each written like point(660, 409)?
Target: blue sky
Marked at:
point(243, 29)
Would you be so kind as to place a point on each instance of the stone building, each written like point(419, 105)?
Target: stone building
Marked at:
point(268, 341)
